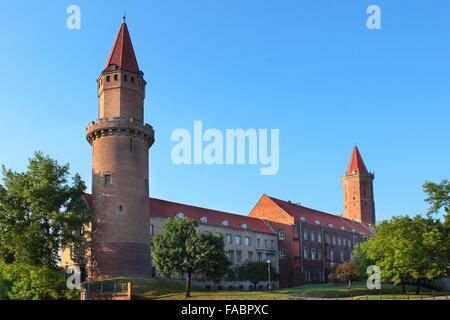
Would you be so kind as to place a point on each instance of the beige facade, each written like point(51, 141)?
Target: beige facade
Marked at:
point(241, 245)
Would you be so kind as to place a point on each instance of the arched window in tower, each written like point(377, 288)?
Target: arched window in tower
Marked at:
point(115, 77)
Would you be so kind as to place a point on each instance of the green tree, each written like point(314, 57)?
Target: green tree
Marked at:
point(40, 212)
point(408, 249)
point(346, 271)
point(438, 196)
point(184, 250)
point(27, 282)
point(255, 272)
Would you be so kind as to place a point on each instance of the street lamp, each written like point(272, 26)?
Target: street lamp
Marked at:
point(332, 272)
point(268, 272)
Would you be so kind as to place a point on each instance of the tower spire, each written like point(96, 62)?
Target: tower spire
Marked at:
point(356, 165)
point(122, 53)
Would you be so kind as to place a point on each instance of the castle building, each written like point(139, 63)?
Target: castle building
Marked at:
point(304, 245)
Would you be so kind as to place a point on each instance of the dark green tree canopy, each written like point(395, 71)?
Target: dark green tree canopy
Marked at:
point(254, 272)
point(182, 249)
point(40, 212)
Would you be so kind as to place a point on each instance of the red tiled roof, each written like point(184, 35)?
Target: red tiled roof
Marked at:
point(356, 165)
point(88, 198)
point(166, 209)
point(323, 219)
point(122, 52)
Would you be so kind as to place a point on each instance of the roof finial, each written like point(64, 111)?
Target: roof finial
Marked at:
point(124, 17)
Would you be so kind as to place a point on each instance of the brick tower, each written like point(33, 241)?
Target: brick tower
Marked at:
point(120, 166)
point(359, 202)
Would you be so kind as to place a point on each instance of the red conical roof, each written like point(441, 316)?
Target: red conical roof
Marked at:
point(122, 52)
point(356, 165)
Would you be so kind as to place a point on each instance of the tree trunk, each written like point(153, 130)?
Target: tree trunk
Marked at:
point(418, 286)
point(403, 287)
point(349, 284)
point(188, 285)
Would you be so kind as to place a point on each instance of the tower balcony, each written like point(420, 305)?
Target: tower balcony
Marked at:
point(120, 126)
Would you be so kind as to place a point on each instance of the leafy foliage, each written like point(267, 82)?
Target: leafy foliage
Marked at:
point(26, 282)
point(40, 212)
point(184, 250)
point(255, 272)
point(408, 248)
point(346, 271)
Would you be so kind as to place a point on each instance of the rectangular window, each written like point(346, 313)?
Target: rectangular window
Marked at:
point(282, 253)
point(341, 256)
point(250, 256)
point(108, 179)
point(152, 230)
point(319, 255)
point(281, 235)
point(108, 78)
point(319, 237)
point(339, 241)
point(247, 241)
point(258, 241)
point(115, 77)
point(238, 240)
point(306, 253)
point(305, 235)
point(334, 240)
point(238, 257)
point(125, 77)
point(265, 243)
point(231, 256)
point(272, 244)
point(313, 236)
point(259, 256)
point(313, 254)
point(228, 239)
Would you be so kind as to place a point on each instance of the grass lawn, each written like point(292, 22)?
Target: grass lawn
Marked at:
point(159, 289)
point(358, 291)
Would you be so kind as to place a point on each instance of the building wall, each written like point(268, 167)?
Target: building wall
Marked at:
point(262, 245)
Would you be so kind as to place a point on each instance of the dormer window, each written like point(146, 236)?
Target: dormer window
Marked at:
point(204, 219)
point(180, 215)
point(303, 219)
point(225, 223)
point(330, 225)
point(244, 226)
point(317, 221)
point(343, 228)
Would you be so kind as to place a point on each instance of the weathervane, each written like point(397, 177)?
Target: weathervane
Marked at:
point(124, 17)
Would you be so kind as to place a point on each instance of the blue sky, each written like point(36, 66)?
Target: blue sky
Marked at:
point(309, 68)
